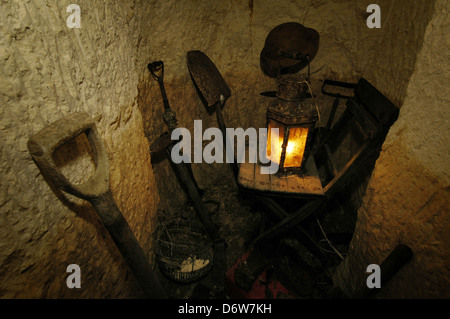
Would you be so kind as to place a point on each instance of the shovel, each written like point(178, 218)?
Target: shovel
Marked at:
point(96, 190)
point(164, 143)
point(213, 89)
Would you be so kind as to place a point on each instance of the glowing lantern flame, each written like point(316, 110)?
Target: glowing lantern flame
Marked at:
point(295, 147)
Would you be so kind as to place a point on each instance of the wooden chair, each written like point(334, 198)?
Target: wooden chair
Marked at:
point(341, 153)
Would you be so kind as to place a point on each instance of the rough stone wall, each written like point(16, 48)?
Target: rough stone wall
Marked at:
point(386, 56)
point(49, 71)
point(407, 199)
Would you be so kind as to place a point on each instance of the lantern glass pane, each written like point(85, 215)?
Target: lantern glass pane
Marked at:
point(295, 148)
point(274, 141)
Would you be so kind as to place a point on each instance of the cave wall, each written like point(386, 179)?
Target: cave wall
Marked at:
point(407, 199)
point(48, 71)
point(386, 56)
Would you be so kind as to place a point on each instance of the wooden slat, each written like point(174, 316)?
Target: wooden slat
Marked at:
point(330, 160)
point(367, 120)
point(338, 180)
point(340, 124)
point(246, 177)
point(308, 184)
point(262, 181)
point(290, 220)
point(289, 223)
point(375, 102)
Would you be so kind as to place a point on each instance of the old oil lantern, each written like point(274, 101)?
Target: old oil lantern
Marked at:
point(294, 113)
point(289, 47)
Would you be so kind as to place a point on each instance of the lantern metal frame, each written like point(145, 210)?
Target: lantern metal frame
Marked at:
point(293, 108)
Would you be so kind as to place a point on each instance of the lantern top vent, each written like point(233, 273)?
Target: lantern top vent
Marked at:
point(293, 104)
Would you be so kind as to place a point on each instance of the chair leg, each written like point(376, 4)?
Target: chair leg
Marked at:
point(289, 222)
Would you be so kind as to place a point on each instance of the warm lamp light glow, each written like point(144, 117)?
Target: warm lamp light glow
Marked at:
point(295, 147)
point(290, 148)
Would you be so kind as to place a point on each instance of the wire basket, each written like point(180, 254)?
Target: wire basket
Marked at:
point(184, 250)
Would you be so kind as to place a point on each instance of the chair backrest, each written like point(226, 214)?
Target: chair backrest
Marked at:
point(355, 138)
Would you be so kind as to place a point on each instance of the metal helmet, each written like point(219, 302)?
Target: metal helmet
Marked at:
point(289, 47)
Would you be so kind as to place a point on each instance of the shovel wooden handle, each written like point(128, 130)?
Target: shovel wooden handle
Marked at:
point(96, 190)
point(43, 144)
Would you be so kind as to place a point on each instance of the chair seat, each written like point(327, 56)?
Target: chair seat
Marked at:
point(306, 184)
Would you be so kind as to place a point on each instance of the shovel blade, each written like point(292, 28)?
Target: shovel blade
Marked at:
point(207, 78)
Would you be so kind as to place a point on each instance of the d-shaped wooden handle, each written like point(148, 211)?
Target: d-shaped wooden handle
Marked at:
point(43, 144)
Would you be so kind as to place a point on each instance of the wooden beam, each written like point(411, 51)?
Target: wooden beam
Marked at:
point(367, 120)
point(338, 127)
point(330, 160)
point(289, 220)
